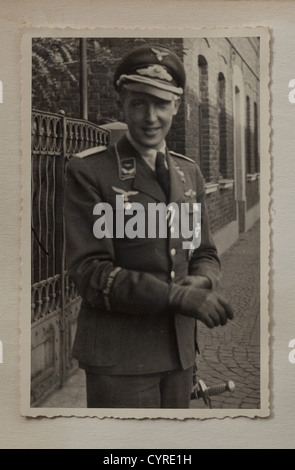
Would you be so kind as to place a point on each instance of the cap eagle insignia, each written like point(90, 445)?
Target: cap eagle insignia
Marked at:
point(159, 54)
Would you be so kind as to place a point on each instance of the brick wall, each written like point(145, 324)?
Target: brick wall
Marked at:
point(216, 81)
point(210, 116)
point(221, 208)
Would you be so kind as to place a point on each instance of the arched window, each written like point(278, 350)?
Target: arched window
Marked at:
point(204, 130)
point(222, 127)
point(256, 140)
point(248, 136)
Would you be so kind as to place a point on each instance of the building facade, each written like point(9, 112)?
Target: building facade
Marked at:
point(217, 124)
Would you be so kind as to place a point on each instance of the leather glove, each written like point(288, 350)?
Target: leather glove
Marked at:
point(207, 306)
point(199, 282)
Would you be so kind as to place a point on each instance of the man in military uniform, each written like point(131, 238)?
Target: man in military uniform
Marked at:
point(141, 296)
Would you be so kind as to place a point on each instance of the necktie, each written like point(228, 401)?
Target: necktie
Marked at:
point(162, 173)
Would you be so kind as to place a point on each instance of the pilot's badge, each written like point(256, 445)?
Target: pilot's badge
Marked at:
point(126, 195)
point(193, 207)
point(190, 193)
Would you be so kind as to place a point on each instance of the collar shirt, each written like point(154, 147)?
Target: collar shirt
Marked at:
point(149, 155)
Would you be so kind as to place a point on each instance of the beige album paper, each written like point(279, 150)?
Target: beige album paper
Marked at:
point(233, 124)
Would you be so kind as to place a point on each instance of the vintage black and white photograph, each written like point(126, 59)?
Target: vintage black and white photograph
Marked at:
point(146, 213)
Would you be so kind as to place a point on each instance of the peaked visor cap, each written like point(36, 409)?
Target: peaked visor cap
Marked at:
point(154, 70)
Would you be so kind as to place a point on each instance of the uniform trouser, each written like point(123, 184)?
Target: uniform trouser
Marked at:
point(164, 390)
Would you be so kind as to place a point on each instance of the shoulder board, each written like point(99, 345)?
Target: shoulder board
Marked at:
point(91, 151)
point(181, 156)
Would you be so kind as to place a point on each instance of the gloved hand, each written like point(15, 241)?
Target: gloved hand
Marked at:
point(207, 306)
point(199, 282)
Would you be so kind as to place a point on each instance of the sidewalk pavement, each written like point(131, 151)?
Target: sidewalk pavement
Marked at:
point(231, 352)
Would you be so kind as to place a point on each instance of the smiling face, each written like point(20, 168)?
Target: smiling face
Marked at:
point(148, 117)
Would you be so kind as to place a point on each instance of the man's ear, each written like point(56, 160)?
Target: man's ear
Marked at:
point(176, 105)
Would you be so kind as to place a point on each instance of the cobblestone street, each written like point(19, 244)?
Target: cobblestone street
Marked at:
point(231, 352)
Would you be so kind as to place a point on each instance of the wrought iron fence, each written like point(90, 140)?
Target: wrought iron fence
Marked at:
point(55, 302)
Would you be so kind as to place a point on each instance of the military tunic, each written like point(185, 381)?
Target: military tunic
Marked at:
point(125, 326)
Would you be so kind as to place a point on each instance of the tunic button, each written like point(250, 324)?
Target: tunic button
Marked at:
point(172, 274)
point(173, 252)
